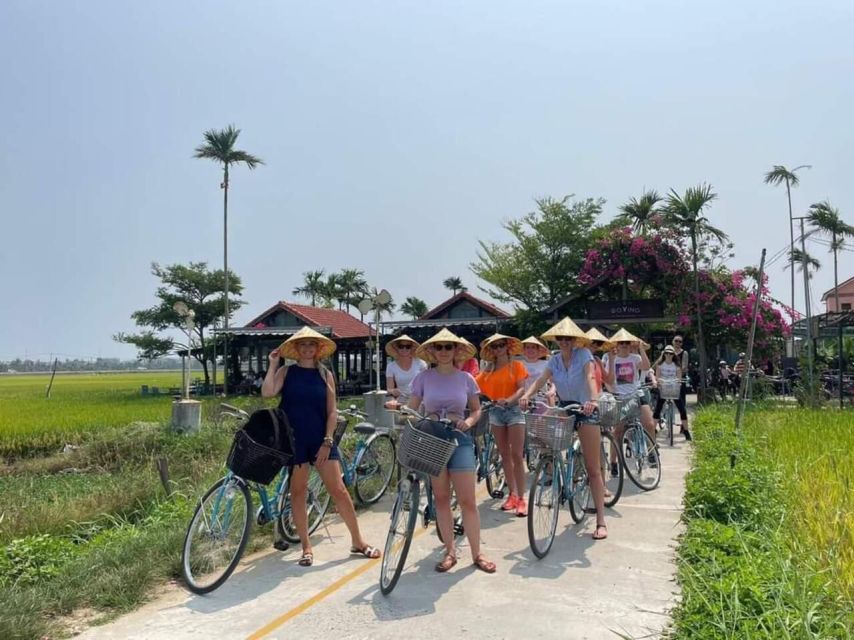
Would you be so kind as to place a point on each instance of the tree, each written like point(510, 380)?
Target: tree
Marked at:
point(313, 286)
point(201, 290)
point(641, 214)
point(454, 284)
point(777, 176)
point(804, 260)
point(548, 245)
point(685, 212)
point(414, 307)
point(352, 287)
point(219, 147)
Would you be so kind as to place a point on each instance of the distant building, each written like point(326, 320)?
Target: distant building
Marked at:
point(846, 297)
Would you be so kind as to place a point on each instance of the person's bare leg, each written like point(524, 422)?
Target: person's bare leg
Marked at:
point(516, 437)
point(590, 437)
point(444, 517)
point(503, 443)
point(299, 490)
point(330, 473)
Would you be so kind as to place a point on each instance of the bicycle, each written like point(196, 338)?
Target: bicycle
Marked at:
point(219, 528)
point(489, 464)
point(640, 456)
point(373, 460)
point(425, 449)
point(668, 390)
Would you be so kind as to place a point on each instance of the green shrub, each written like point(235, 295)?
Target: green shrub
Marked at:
point(28, 560)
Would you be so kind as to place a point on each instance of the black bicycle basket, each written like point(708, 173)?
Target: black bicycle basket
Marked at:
point(262, 446)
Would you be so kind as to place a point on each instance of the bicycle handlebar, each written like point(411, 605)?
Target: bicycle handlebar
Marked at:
point(406, 411)
point(231, 410)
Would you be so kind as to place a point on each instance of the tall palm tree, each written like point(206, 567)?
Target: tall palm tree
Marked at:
point(454, 284)
point(804, 260)
point(825, 220)
point(639, 213)
point(685, 212)
point(219, 147)
point(777, 176)
point(414, 307)
point(312, 287)
point(354, 287)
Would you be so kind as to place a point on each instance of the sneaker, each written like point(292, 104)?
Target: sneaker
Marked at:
point(687, 435)
point(521, 508)
point(510, 504)
point(615, 470)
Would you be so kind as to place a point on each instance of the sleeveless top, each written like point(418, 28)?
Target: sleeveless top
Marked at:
point(304, 402)
point(667, 370)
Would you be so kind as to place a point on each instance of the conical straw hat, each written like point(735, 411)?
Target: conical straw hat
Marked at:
point(596, 336)
point(567, 327)
point(624, 336)
point(325, 346)
point(465, 351)
point(391, 347)
point(544, 350)
point(514, 346)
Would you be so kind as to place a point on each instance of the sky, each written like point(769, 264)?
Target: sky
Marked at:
point(395, 135)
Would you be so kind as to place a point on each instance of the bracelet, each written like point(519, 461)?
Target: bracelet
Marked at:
point(328, 442)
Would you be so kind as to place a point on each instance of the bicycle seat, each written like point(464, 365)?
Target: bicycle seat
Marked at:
point(365, 429)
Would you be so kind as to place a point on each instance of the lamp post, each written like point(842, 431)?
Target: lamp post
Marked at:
point(805, 269)
point(376, 303)
point(189, 318)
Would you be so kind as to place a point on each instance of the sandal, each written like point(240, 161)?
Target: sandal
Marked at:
point(597, 535)
point(487, 566)
point(307, 559)
point(447, 563)
point(372, 553)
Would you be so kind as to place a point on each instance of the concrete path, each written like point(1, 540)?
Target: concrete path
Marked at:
point(582, 589)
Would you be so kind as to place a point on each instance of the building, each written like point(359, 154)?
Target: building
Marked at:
point(846, 297)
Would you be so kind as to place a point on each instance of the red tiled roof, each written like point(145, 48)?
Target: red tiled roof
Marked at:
point(343, 325)
point(465, 295)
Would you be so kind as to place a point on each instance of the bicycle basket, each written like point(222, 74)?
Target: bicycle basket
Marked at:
point(613, 411)
point(549, 431)
point(668, 389)
point(424, 447)
point(261, 447)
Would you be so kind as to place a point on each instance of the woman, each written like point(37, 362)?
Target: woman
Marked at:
point(469, 365)
point(624, 369)
point(400, 373)
point(535, 354)
point(308, 399)
point(446, 392)
point(668, 369)
point(598, 342)
point(572, 372)
point(504, 384)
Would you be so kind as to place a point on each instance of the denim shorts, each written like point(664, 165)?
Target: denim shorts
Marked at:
point(505, 416)
point(463, 458)
point(593, 418)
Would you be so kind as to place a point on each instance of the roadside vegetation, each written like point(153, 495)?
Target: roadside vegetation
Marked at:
point(768, 551)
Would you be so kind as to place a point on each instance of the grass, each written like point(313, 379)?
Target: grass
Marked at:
point(766, 551)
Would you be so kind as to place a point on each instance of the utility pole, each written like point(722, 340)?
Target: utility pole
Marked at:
point(805, 269)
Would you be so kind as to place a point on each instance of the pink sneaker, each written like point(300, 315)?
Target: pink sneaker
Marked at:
point(521, 508)
point(510, 503)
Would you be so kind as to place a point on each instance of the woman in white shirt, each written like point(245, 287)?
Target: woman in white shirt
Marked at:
point(400, 373)
point(534, 355)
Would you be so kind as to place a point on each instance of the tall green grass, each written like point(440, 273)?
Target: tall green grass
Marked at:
point(762, 553)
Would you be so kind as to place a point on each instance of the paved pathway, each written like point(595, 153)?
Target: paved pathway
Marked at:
point(582, 589)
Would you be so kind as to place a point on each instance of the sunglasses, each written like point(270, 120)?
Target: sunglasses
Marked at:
point(499, 345)
point(531, 346)
point(403, 346)
point(444, 347)
point(564, 339)
point(304, 343)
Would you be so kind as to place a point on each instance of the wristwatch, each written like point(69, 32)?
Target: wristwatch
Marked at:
point(328, 442)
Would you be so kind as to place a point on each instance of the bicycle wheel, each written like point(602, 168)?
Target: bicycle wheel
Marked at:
point(640, 458)
point(669, 419)
point(316, 500)
point(217, 535)
point(400, 532)
point(544, 500)
point(608, 450)
point(581, 500)
point(374, 466)
point(495, 480)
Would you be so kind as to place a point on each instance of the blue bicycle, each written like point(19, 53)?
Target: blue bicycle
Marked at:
point(489, 466)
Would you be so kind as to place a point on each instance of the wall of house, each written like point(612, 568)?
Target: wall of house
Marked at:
point(464, 309)
point(846, 299)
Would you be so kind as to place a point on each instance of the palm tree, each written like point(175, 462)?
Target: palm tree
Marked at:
point(313, 286)
point(219, 147)
point(639, 214)
point(825, 220)
point(414, 307)
point(332, 290)
point(804, 260)
point(686, 213)
point(777, 176)
point(353, 286)
point(454, 284)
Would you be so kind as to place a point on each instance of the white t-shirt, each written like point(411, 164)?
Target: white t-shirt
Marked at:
point(535, 370)
point(403, 378)
point(668, 370)
point(627, 371)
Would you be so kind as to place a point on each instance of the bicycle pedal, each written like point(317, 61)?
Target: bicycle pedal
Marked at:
point(497, 494)
point(589, 509)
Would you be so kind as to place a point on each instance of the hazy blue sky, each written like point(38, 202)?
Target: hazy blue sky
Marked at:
point(396, 134)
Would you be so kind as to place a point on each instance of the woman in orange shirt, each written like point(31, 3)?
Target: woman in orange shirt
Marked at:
point(504, 384)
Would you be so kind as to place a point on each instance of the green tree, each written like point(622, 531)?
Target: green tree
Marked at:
point(804, 260)
point(352, 286)
point(454, 284)
point(202, 291)
point(685, 213)
point(641, 214)
point(313, 286)
point(219, 147)
point(550, 244)
point(414, 307)
point(781, 175)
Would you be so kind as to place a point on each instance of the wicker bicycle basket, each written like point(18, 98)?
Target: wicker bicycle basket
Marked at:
point(425, 447)
point(668, 389)
point(549, 431)
point(340, 429)
point(613, 411)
